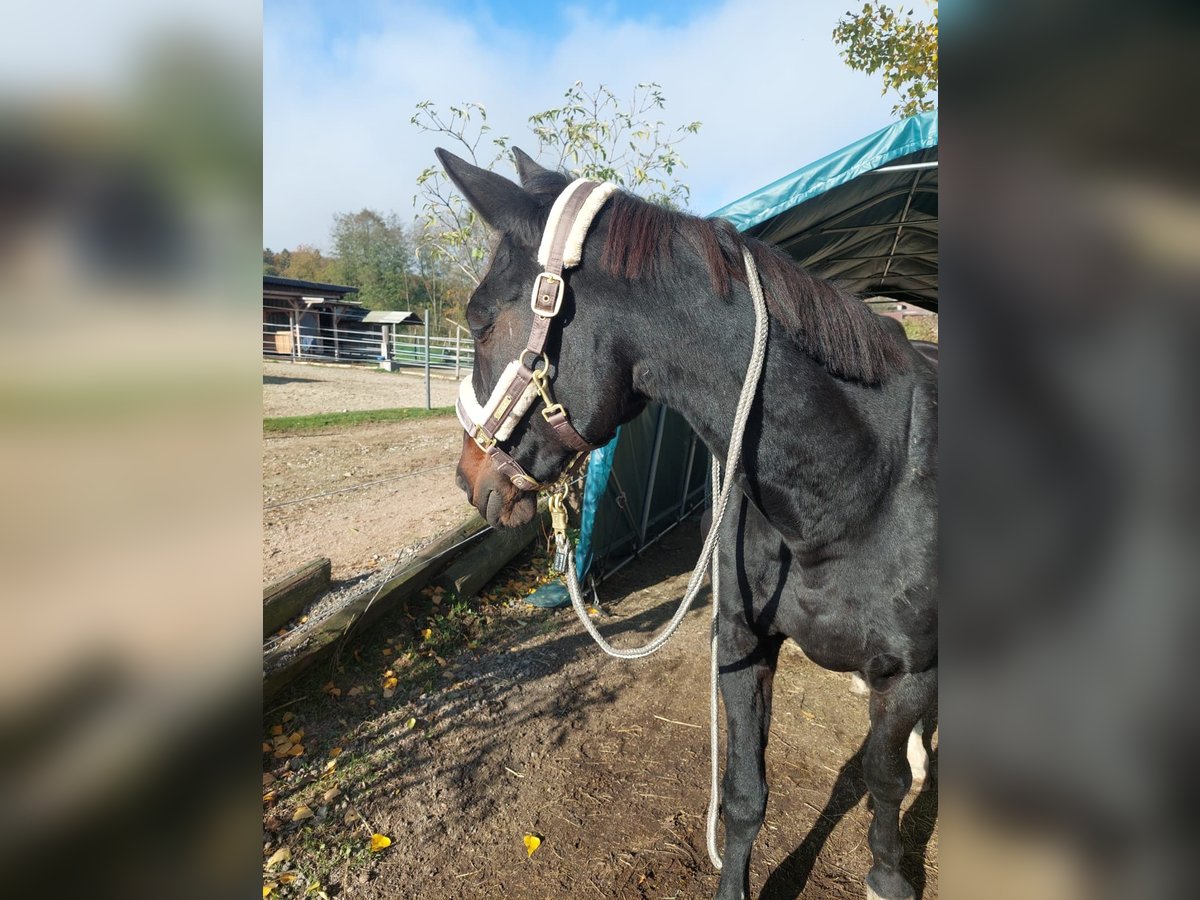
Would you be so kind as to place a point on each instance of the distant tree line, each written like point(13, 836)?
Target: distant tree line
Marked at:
point(377, 254)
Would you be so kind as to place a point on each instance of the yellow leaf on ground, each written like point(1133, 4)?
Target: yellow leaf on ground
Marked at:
point(296, 736)
point(410, 724)
point(329, 767)
point(302, 812)
point(269, 797)
point(276, 729)
point(268, 887)
point(297, 750)
point(335, 752)
point(427, 633)
point(286, 877)
point(390, 684)
point(532, 842)
point(288, 716)
point(380, 842)
point(283, 854)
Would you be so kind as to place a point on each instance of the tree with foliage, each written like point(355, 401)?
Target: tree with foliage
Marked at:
point(897, 44)
point(305, 262)
point(310, 264)
point(373, 254)
point(592, 134)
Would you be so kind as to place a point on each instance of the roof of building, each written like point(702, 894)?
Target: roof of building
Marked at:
point(865, 216)
point(393, 317)
point(315, 286)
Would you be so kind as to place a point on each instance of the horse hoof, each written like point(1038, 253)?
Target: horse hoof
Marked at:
point(899, 889)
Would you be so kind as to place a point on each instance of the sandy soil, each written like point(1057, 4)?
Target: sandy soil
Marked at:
point(362, 529)
point(605, 760)
point(296, 389)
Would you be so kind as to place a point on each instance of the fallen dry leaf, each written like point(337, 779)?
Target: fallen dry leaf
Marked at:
point(276, 729)
point(268, 779)
point(427, 633)
point(349, 818)
point(410, 724)
point(269, 797)
point(268, 887)
point(532, 842)
point(380, 842)
point(302, 812)
point(296, 736)
point(288, 716)
point(390, 683)
point(286, 877)
point(282, 855)
point(267, 748)
point(329, 767)
point(297, 750)
point(331, 795)
point(355, 691)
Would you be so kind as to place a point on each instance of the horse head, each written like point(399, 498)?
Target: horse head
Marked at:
point(575, 369)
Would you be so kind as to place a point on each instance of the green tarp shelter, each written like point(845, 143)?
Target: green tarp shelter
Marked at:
point(864, 217)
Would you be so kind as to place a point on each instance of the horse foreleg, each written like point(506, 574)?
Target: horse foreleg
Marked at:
point(894, 714)
point(747, 670)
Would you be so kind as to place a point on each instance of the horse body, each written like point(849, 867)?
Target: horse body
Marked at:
point(831, 534)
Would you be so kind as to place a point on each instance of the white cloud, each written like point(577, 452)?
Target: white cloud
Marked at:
point(762, 75)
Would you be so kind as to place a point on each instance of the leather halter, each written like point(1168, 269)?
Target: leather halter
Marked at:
point(523, 381)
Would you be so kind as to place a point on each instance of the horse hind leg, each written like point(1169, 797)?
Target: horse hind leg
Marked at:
point(895, 713)
point(918, 756)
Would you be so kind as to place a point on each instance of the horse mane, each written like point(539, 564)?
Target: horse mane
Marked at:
point(833, 326)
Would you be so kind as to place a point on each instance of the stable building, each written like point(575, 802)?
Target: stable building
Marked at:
point(313, 320)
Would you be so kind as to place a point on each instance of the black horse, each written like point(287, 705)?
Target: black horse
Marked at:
point(831, 536)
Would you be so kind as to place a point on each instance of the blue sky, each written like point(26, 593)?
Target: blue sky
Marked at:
point(340, 81)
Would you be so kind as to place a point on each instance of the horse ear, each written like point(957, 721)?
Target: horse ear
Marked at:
point(527, 167)
point(503, 205)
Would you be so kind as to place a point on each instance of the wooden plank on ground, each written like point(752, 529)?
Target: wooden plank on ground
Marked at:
point(286, 598)
point(467, 575)
point(295, 654)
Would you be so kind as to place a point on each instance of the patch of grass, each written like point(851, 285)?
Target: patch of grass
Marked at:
point(352, 418)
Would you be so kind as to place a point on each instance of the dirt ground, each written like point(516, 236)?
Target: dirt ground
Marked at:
point(537, 731)
point(361, 529)
point(297, 389)
point(533, 730)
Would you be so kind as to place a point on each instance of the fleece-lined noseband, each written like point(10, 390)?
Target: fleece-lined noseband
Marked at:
point(523, 381)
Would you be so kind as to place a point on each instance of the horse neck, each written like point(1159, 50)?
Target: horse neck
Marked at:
point(819, 453)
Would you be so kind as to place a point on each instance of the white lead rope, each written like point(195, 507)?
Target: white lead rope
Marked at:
point(720, 502)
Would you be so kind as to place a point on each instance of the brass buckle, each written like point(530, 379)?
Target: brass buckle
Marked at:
point(481, 438)
point(551, 409)
point(551, 294)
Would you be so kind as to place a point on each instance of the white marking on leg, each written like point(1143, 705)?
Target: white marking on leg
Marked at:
point(858, 685)
point(918, 758)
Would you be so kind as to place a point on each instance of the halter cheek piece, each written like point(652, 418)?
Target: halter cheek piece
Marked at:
point(522, 381)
